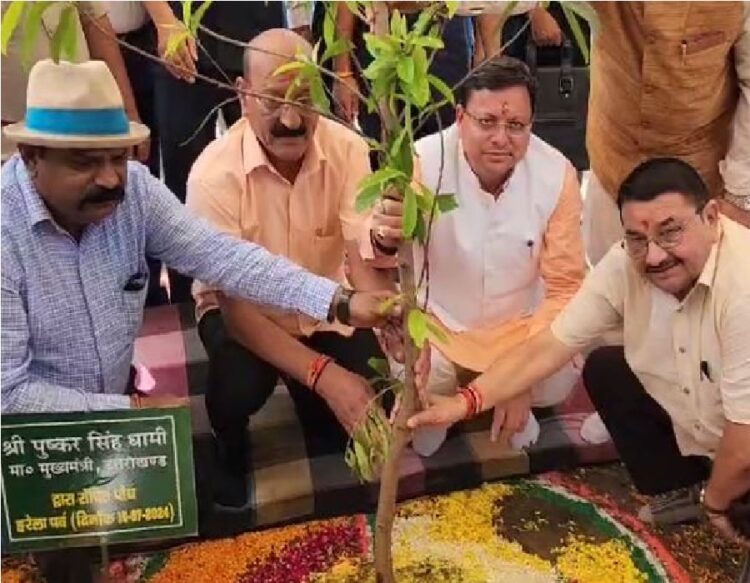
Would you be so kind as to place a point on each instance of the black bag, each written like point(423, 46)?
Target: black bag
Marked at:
point(561, 103)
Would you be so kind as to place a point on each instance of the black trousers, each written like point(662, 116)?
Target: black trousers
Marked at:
point(141, 72)
point(240, 382)
point(181, 108)
point(640, 428)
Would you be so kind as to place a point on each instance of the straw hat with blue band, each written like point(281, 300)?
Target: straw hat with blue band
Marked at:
point(75, 106)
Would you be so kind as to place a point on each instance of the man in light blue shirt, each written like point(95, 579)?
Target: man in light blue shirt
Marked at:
point(77, 221)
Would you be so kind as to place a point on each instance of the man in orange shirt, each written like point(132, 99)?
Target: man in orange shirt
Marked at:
point(285, 178)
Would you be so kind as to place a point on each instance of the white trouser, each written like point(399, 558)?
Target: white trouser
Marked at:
point(443, 381)
point(602, 227)
point(551, 391)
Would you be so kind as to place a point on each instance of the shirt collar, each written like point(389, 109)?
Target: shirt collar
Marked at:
point(253, 155)
point(38, 211)
point(708, 273)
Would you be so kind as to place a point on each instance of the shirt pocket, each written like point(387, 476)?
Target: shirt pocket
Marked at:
point(704, 51)
point(133, 290)
point(329, 255)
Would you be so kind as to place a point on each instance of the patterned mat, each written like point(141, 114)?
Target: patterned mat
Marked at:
point(288, 485)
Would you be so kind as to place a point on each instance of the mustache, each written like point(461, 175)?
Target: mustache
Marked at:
point(281, 131)
point(98, 195)
point(663, 266)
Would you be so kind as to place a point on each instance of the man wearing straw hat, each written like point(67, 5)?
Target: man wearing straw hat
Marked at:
point(78, 220)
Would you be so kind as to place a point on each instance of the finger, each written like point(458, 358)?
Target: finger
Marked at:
point(192, 49)
point(508, 429)
point(431, 416)
point(498, 418)
point(395, 410)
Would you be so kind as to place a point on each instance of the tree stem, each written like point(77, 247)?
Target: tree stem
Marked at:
point(401, 434)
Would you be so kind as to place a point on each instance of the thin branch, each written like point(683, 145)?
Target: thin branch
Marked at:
point(223, 85)
point(206, 119)
point(424, 276)
point(216, 65)
point(237, 43)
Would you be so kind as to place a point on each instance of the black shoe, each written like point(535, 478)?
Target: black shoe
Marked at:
point(232, 485)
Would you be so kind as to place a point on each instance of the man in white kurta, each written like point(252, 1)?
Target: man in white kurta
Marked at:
point(506, 261)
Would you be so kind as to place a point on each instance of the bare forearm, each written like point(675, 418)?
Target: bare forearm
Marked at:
point(160, 12)
point(265, 338)
point(345, 22)
point(102, 43)
point(523, 367)
point(488, 28)
point(730, 478)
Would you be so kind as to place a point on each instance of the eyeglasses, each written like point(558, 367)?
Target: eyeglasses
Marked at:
point(272, 106)
point(668, 238)
point(514, 129)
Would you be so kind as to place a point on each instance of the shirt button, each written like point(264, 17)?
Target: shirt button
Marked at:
point(645, 124)
point(686, 390)
point(651, 38)
point(682, 349)
point(648, 88)
point(697, 426)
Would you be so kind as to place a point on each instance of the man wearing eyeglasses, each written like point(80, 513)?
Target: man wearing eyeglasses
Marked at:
point(676, 396)
point(285, 178)
point(508, 259)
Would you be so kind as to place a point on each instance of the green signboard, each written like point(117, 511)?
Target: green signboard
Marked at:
point(82, 479)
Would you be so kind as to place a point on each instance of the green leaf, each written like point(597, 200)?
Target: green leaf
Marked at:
point(435, 331)
point(400, 153)
point(175, 42)
point(398, 25)
point(442, 87)
point(405, 70)
point(429, 42)
point(417, 325)
point(380, 366)
point(410, 212)
point(575, 27)
point(329, 24)
point(11, 18)
point(376, 45)
point(420, 231)
point(64, 39)
point(425, 199)
point(423, 21)
point(363, 462)
point(318, 95)
point(289, 67)
point(31, 27)
point(420, 92)
point(452, 6)
point(379, 176)
point(420, 88)
point(187, 12)
point(354, 9)
point(339, 47)
point(197, 18)
point(446, 202)
point(373, 185)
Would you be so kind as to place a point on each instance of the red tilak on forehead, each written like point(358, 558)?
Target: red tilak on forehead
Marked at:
point(505, 107)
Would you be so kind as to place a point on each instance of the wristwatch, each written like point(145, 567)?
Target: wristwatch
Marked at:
point(339, 309)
